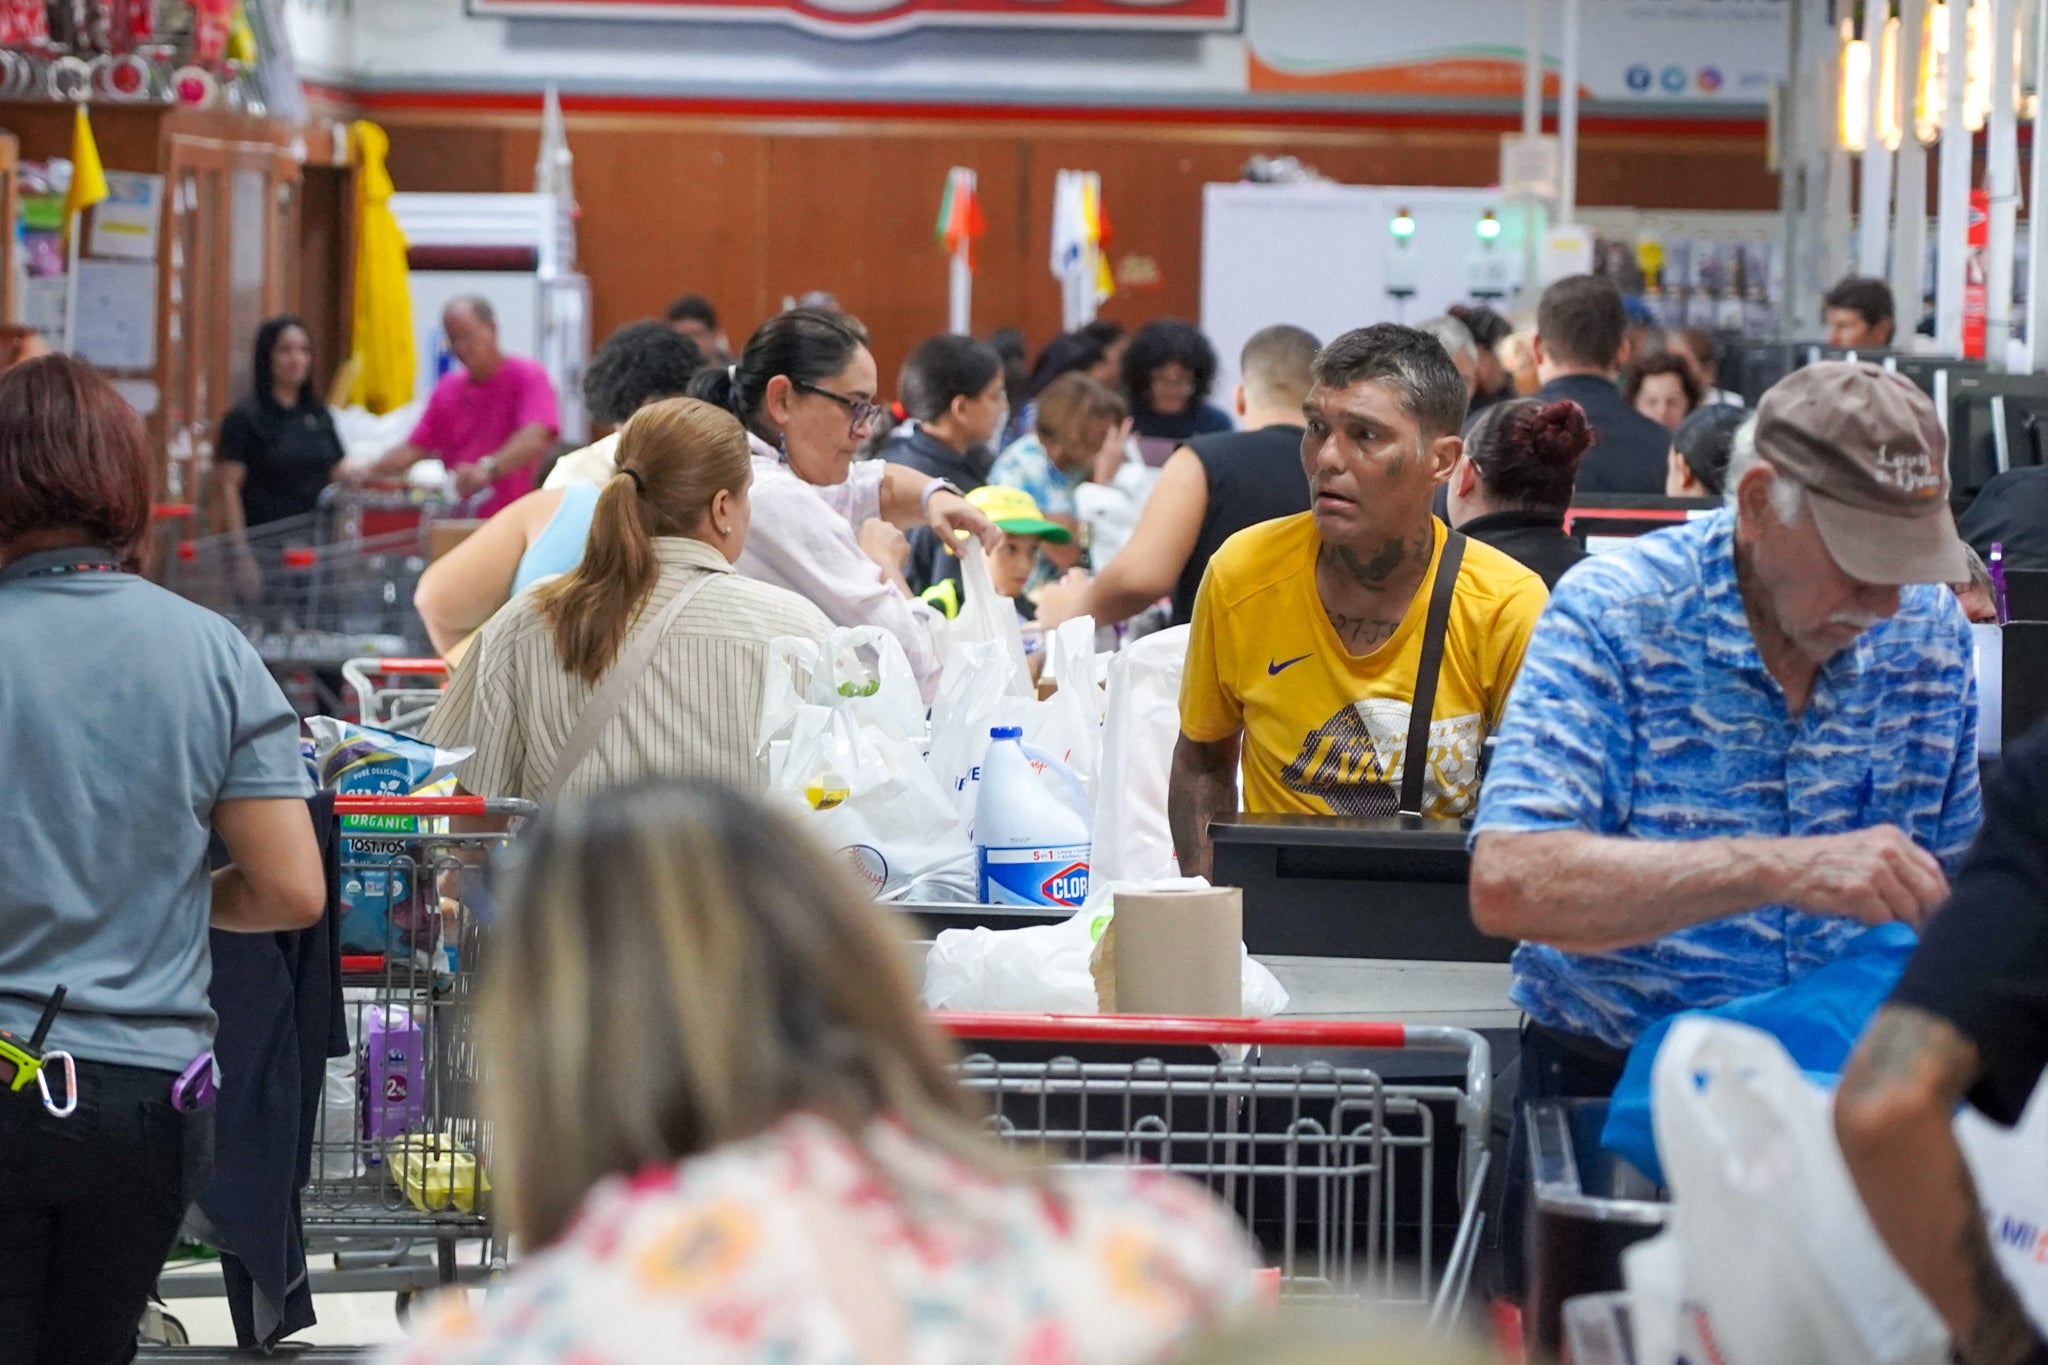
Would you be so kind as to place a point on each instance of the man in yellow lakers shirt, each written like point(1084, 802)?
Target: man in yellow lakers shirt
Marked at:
point(1314, 635)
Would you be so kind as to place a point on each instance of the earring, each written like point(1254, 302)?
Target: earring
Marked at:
point(782, 445)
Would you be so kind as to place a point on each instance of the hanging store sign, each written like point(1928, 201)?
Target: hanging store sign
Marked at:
point(1638, 51)
point(880, 18)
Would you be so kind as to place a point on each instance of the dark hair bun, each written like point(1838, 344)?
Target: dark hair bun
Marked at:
point(1556, 434)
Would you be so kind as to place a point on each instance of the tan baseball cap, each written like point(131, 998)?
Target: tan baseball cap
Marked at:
point(1868, 448)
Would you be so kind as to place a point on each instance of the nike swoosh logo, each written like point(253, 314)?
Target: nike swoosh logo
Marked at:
point(1274, 670)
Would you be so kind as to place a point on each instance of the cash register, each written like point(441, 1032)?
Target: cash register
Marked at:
point(1334, 887)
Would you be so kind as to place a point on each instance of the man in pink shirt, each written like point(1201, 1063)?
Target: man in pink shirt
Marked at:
point(489, 421)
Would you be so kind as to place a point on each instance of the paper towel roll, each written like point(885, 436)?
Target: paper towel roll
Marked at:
point(1177, 952)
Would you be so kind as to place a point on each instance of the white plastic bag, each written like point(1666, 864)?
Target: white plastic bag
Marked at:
point(986, 615)
point(2012, 1187)
point(338, 1134)
point(1776, 1260)
point(1040, 969)
point(1068, 724)
point(1110, 511)
point(976, 695)
point(1044, 968)
point(367, 437)
point(1141, 722)
point(868, 796)
point(862, 669)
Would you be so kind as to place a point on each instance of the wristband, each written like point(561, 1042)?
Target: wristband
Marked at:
point(924, 499)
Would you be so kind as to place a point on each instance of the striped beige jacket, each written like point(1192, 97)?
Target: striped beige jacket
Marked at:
point(696, 712)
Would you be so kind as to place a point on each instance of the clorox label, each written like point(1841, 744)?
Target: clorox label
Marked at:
point(1035, 876)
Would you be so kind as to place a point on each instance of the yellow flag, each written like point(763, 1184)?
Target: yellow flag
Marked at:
point(88, 178)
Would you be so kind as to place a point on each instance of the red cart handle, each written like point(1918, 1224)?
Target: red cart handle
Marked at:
point(398, 666)
point(420, 805)
point(1160, 1029)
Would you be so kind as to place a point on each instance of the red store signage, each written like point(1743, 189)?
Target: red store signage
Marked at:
point(878, 18)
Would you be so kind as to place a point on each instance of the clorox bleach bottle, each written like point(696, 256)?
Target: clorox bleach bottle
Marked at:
point(1032, 846)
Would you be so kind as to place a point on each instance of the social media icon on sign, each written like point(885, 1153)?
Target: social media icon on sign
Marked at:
point(1674, 79)
point(1639, 77)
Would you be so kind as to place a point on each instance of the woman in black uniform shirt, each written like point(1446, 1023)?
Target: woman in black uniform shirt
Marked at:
point(278, 448)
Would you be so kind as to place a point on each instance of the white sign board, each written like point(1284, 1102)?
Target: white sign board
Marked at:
point(117, 314)
point(125, 223)
point(1641, 51)
point(1529, 166)
point(1567, 250)
point(1324, 257)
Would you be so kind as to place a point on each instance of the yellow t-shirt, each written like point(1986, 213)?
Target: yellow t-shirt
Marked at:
point(1317, 721)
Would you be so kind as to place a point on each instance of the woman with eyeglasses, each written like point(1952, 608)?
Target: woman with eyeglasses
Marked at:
point(825, 527)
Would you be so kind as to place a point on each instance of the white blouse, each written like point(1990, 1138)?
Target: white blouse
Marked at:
point(803, 540)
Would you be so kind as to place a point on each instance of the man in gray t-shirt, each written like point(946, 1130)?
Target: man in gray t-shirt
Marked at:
point(127, 715)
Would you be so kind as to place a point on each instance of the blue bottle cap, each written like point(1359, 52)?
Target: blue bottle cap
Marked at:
point(1007, 732)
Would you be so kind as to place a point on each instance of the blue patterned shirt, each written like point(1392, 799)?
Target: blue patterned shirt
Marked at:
point(1025, 464)
point(1643, 709)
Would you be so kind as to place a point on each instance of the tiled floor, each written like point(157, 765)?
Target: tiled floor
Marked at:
point(345, 1320)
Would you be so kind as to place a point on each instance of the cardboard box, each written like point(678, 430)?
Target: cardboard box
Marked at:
point(443, 536)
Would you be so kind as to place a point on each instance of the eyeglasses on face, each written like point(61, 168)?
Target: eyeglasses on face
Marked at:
point(859, 412)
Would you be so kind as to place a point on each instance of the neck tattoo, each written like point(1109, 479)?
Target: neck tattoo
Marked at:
point(1365, 629)
point(1374, 571)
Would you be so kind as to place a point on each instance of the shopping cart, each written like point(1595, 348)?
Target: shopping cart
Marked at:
point(399, 1198)
point(1332, 1166)
point(314, 591)
point(395, 694)
point(405, 1160)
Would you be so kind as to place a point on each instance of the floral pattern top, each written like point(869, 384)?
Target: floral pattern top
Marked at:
point(803, 1246)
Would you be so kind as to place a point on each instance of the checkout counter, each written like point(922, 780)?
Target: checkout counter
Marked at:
point(1367, 919)
point(1359, 919)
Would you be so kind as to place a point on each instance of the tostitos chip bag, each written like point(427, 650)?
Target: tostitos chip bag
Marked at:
point(389, 904)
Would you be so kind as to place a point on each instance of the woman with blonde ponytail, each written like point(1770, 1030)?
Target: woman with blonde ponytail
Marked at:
point(656, 600)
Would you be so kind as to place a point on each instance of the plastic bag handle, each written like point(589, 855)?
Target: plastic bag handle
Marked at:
point(1077, 793)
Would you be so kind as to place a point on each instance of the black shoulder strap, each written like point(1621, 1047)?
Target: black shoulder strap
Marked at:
point(1415, 759)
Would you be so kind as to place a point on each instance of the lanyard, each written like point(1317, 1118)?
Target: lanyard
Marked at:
point(70, 559)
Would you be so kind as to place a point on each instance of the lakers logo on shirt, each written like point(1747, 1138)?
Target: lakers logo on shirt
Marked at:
point(1364, 744)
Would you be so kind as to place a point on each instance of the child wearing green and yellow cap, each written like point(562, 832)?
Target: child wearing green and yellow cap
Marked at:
point(1024, 526)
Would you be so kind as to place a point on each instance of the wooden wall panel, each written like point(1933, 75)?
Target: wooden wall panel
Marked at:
point(862, 226)
point(696, 219)
point(451, 157)
point(751, 209)
point(129, 136)
point(326, 265)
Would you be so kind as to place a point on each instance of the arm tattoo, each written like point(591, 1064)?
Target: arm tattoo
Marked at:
point(1204, 788)
point(1905, 1044)
point(2003, 1334)
point(1901, 1043)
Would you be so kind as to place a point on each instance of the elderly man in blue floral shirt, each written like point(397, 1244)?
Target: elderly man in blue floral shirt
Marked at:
point(1737, 743)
